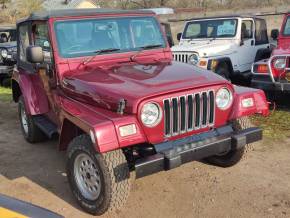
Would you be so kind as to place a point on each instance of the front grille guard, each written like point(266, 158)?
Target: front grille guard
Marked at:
point(270, 68)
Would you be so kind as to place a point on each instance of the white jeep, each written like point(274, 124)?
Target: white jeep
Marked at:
point(226, 45)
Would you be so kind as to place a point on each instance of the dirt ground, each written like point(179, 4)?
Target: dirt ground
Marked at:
point(259, 186)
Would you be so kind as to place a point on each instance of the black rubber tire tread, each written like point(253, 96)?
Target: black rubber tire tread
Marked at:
point(234, 156)
point(34, 134)
point(114, 173)
point(223, 70)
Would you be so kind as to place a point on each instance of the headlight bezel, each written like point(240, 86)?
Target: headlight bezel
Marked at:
point(5, 55)
point(157, 120)
point(230, 101)
point(196, 60)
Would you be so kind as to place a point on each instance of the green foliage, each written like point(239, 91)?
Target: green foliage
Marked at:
point(275, 126)
point(5, 94)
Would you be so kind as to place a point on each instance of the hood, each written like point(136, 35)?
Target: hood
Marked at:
point(134, 83)
point(207, 47)
point(8, 44)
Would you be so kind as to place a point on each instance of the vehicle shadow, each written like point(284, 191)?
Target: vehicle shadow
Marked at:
point(40, 163)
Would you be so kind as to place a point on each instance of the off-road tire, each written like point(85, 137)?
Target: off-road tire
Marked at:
point(233, 156)
point(223, 70)
point(114, 174)
point(33, 134)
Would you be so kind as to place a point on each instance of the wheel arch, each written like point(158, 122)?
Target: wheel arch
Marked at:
point(262, 53)
point(16, 90)
point(227, 61)
point(68, 132)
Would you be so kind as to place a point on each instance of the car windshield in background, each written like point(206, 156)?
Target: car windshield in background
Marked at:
point(223, 28)
point(77, 38)
point(7, 35)
point(286, 31)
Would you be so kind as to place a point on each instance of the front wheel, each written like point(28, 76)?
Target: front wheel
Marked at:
point(99, 182)
point(233, 156)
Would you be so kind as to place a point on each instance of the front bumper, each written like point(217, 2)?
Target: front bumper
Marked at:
point(270, 86)
point(6, 70)
point(172, 154)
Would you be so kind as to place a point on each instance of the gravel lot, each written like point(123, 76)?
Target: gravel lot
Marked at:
point(257, 187)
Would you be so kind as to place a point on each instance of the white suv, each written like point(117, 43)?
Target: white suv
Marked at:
point(226, 45)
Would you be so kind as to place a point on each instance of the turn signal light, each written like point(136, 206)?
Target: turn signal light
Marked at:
point(262, 68)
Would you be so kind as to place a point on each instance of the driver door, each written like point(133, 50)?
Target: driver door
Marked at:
point(40, 37)
point(246, 53)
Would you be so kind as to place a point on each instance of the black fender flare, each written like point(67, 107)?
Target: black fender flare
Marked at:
point(263, 53)
point(220, 61)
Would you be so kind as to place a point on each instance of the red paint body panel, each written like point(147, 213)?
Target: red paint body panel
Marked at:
point(283, 44)
point(34, 97)
point(88, 96)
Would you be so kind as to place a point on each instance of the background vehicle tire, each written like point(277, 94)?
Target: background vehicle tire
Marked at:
point(233, 156)
point(107, 186)
point(30, 131)
point(223, 70)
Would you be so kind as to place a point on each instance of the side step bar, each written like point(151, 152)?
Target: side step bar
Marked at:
point(45, 125)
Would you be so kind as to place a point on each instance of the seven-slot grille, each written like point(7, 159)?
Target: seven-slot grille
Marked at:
point(181, 57)
point(187, 113)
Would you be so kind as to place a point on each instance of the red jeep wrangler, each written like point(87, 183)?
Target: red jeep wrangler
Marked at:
point(273, 74)
point(104, 81)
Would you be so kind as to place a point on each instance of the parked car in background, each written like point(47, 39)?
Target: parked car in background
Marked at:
point(227, 45)
point(119, 103)
point(273, 74)
point(8, 50)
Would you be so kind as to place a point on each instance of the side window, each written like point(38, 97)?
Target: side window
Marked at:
point(41, 38)
point(23, 42)
point(247, 29)
point(261, 36)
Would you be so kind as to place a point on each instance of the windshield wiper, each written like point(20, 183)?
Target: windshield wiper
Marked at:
point(146, 47)
point(98, 52)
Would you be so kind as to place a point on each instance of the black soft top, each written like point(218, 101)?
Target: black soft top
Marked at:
point(45, 15)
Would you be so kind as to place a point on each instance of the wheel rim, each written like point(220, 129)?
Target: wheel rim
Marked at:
point(24, 120)
point(87, 176)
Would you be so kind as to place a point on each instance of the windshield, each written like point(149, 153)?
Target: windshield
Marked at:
point(286, 31)
point(77, 38)
point(222, 28)
point(7, 35)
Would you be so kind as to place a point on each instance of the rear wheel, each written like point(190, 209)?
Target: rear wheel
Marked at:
point(99, 182)
point(30, 131)
point(233, 156)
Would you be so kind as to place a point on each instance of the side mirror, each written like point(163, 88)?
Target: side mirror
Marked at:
point(34, 54)
point(179, 36)
point(274, 34)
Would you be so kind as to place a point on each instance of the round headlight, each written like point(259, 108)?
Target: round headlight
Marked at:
point(151, 114)
point(4, 53)
point(224, 98)
point(193, 59)
point(280, 63)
